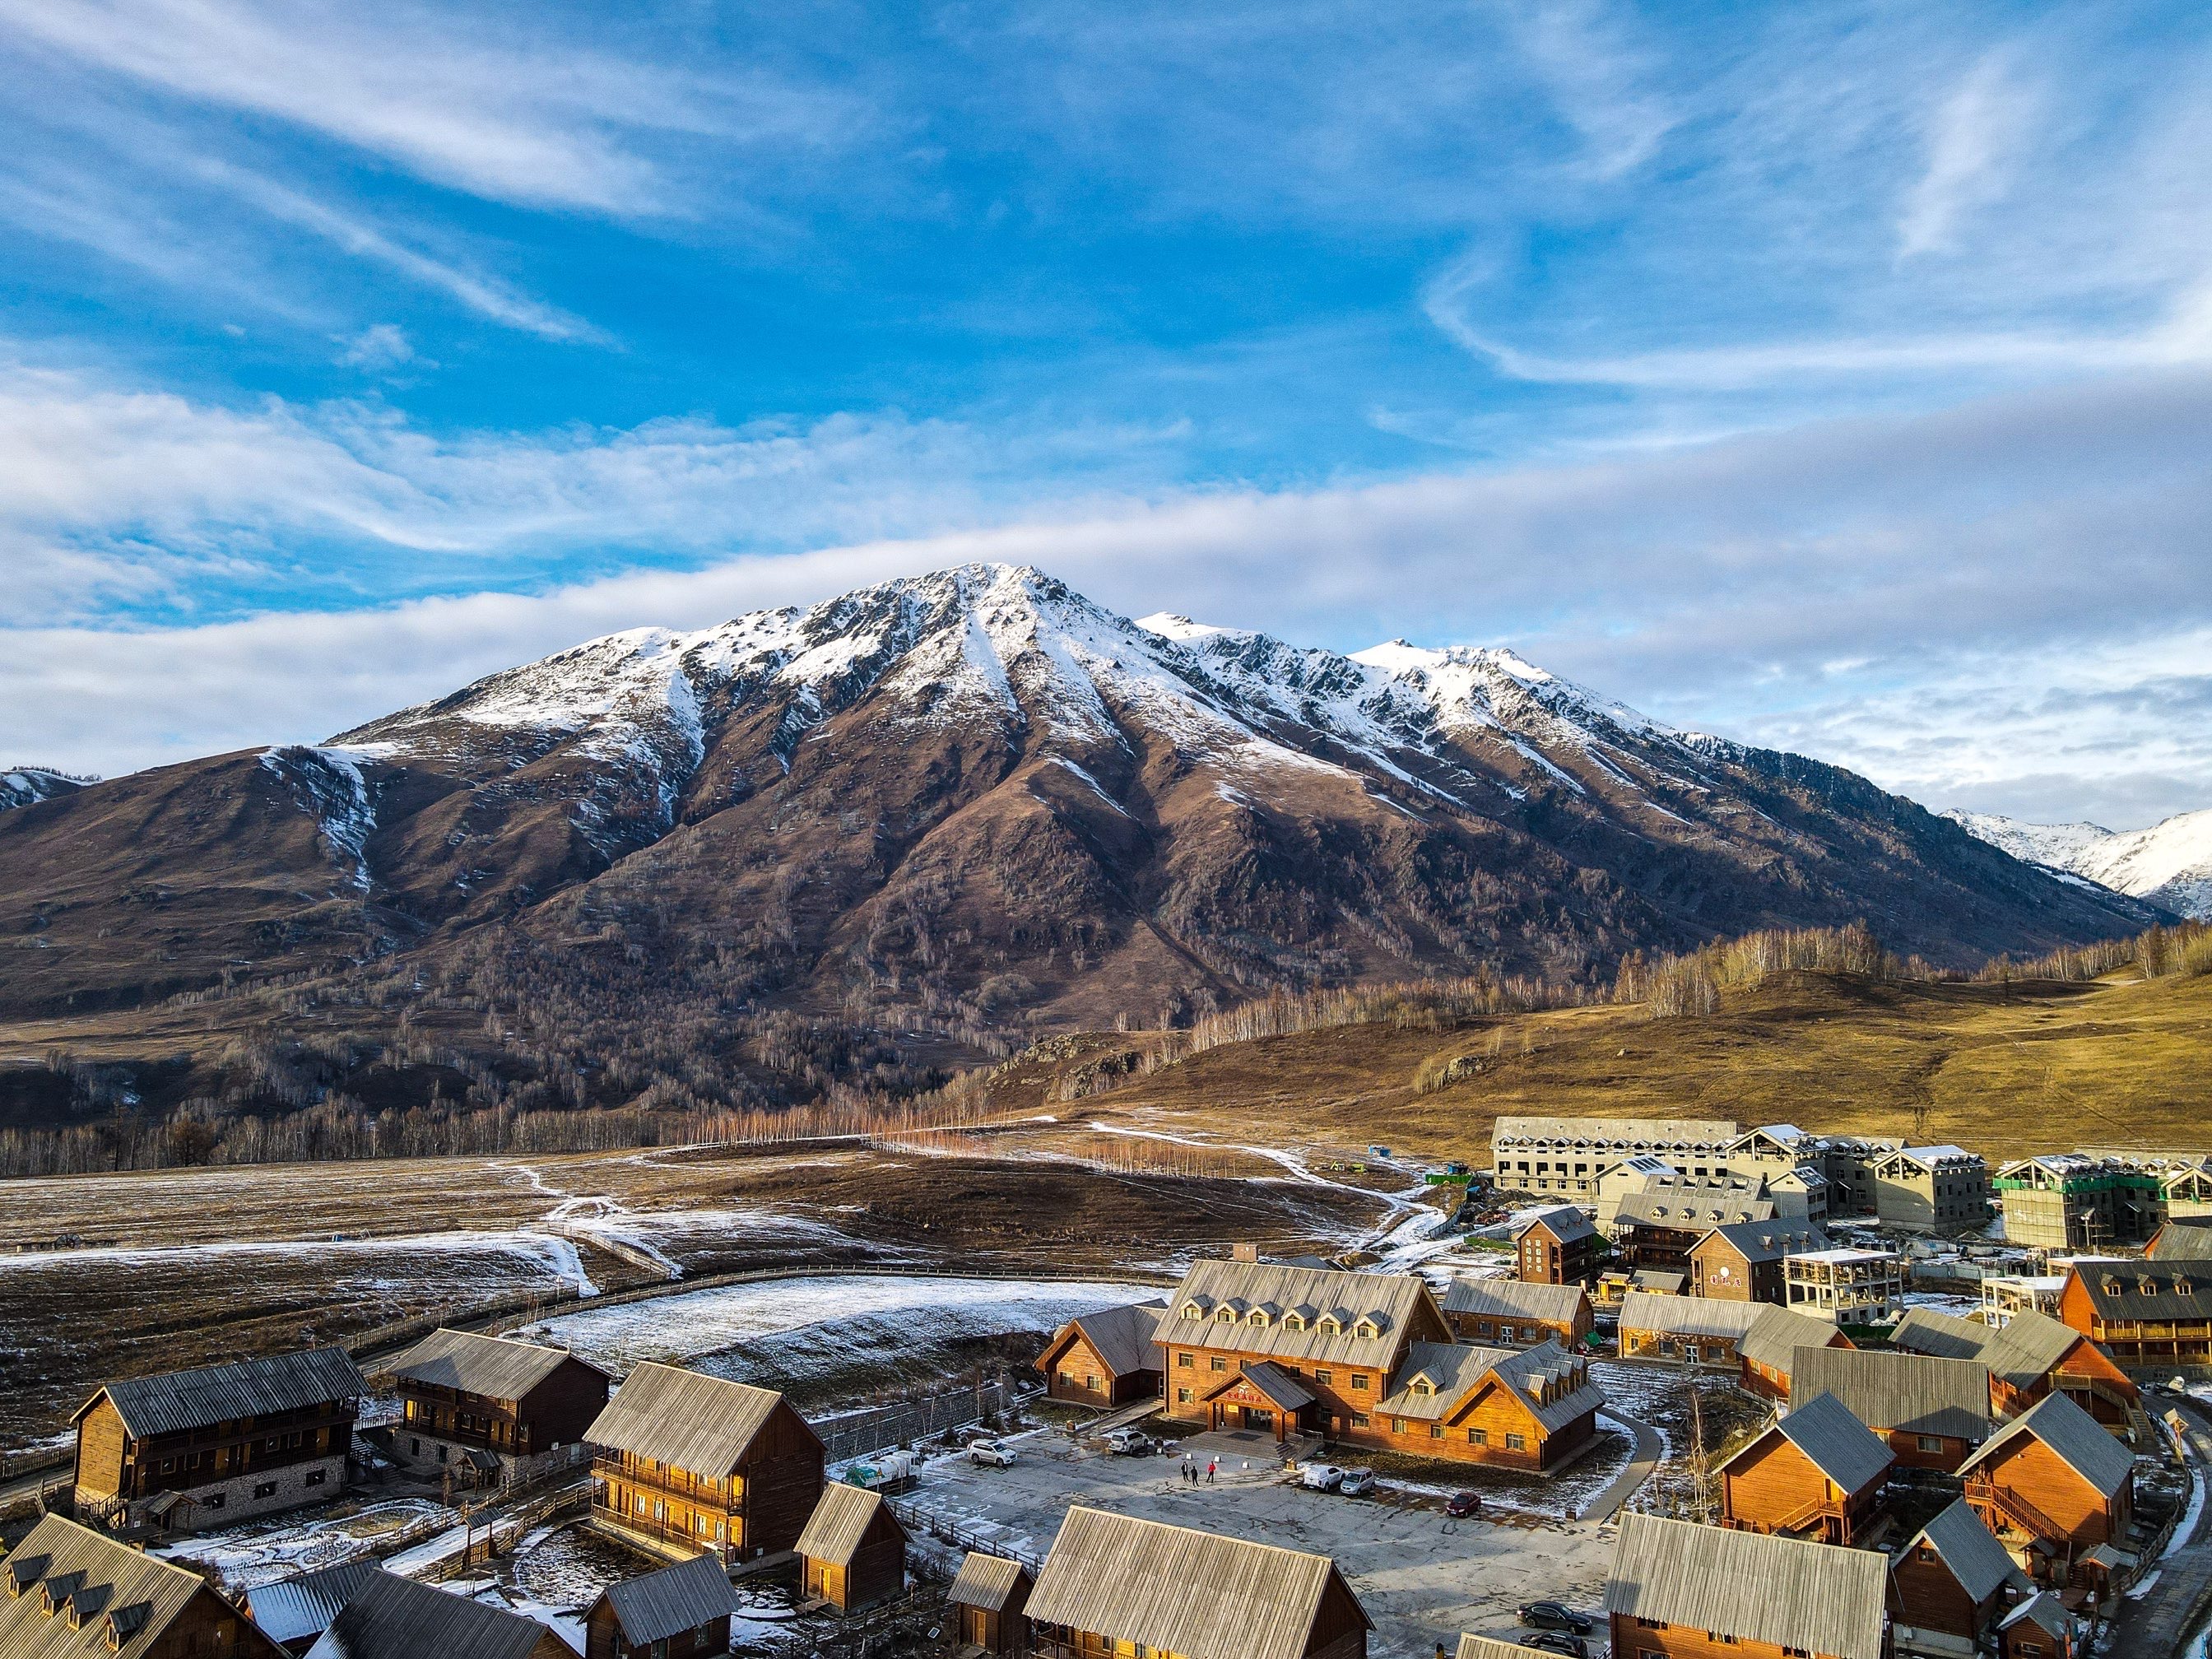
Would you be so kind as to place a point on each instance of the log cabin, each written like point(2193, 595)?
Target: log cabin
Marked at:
point(2030, 1356)
point(1104, 1359)
point(1510, 1313)
point(2038, 1628)
point(1688, 1329)
point(1767, 1355)
point(853, 1550)
point(1558, 1246)
point(1953, 1579)
point(1816, 1473)
point(1743, 1260)
point(1678, 1590)
point(1933, 1412)
point(1112, 1584)
point(688, 1464)
point(396, 1618)
point(495, 1411)
point(990, 1600)
point(71, 1589)
point(2052, 1485)
point(294, 1612)
point(1528, 1409)
point(2181, 1238)
point(1660, 1226)
point(2141, 1313)
point(208, 1447)
point(681, 1611)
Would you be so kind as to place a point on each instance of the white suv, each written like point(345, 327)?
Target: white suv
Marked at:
point(993, 1454)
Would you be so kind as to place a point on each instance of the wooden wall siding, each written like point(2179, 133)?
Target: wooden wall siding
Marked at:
point(110, 1464)
point(1080, 1377)
point(1778, 1489)
point(1652, 1344)
point(783, 1481)
point(101, 1443)
point(1519, 1331)
point(2029, 1640)
point(553, 1413)
point(2038, 1474)
point(603, 1640)
point(1948, 1453)
point(1545, 1260)
point(207, 1624)
point(1719, 1271)
point(1632, 1641)
point(758, 1509)
point(1926, 1593)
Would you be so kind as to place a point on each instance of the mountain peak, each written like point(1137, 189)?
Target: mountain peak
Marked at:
point(2168, 865)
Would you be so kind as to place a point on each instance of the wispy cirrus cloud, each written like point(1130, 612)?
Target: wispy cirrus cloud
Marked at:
point(1973, 143)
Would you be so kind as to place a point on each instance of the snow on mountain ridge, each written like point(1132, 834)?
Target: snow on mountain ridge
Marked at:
point(2170, 864)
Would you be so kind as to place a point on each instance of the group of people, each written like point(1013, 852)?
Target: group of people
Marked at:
point(1190, 1469)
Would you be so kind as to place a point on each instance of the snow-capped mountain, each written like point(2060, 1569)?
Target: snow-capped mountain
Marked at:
point(2168, 865)
point(979, 790)
point(25, 785)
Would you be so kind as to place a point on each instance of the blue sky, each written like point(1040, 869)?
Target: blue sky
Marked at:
point(1830, 376)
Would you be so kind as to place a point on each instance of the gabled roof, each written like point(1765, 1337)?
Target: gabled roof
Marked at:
point(1819, 1597)
point(1284, 1391)
point(2043, 1608)
point(2020, 1353)
point(175, 1401)
point(1690, 1210)
point(1487, 1647)
point(1514, 1298)
point(1968, 1548)
point(1452, 1368)
point(1834, 1441)
point(1777, 1334)
point(687, 1419)
point(1767, 1241)
point(1931, 1158)
point(1686, 1315)
point(841, 1517)
point(988, 1581)
point(2076, 1438)
point(110, 1584)
point(1562, 1221)
point(1196, 1594)
point(495, 1367)
point(2182, 1239)
point(1400, 1304)
point(1549, 1368)
point(1910, 1392)
point(1120, 1337)
point(396, 1618)
point(293, 1608)
point(671, 1600)
point(2137, 1291)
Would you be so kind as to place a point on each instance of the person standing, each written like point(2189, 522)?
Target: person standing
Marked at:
point(1211, 1465)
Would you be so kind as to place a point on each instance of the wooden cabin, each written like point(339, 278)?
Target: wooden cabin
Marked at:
point(69, 1589)
point(1558, 1246)
point(1817, 1472)
point(1679, 1590)
point(1743, 1260)
point(294, 1612)
point(1933, 1412)
point(1953, 1578)
point(493, 1410)
point(681, 1611)
point(1660, 1226)
point(2141, 1313)
point(1511, 1313)
point(2031, 1357)
point(208, 1447)
point(396, 1618)
point(1116, 1585)
point(854, 1549)
point(990, 1600)
point(1690, 1328)
point(2038, 1628)
point(2053, 1484)
point(1104, 1359)
point(689, 1464)
point(1766, 1358)
point(2181, 1239)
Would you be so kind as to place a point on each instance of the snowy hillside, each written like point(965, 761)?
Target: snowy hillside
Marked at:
point(2169, 865)
point(24, 785)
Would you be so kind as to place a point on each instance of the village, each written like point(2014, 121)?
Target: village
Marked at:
point(1651, 1387)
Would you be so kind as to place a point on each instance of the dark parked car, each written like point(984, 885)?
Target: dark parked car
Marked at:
point(1552, 1615)
point(1460, 1504)
point(1557, 1641)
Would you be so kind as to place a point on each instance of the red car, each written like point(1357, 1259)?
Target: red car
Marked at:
point(1460, 1504)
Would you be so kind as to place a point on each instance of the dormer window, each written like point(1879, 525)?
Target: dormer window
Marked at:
point(1192, 1310)
point(2181, 1287)
point(1330, 1325)
point(2111, 1286)
point(1421, 1386)
point(1225, 1316)
point(1294, 1322)
point(1367, 1327)
point(1257, 1317)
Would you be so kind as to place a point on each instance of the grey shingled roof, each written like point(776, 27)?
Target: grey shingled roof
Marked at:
point(1278, 1385)
point(1690, 1210)
point(2078, 1439)
point(107, 1580)
point(1401, 1302)
point(1968, 1548)
point(176, 1402)
point(1528, 1373)
point(2043, 1608)
point(2022, 1352)
point(1514, 1298)
point(292, 1608)
point(1817, 1596)
point(1452, 1370)
point(690, 1421)
point(496, 1367)
point(1686, 1315)
point(671, 1600)
point(841, 1517)
point(2183, 1240)
point(1196, 1594)
point(1891, 1391)
point(1562, 1221)
point(1776, 1335)
point(988, 1581)
point(1837, 1443)
point(1487, 1647)
point(396, 1618)
point(2155, 1290)
point(1121, 1337)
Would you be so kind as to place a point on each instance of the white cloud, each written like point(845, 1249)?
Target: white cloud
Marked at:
point(1972, 143)
point(379, 346)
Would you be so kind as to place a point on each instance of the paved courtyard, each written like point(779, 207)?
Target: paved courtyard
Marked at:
point(1423, 1577)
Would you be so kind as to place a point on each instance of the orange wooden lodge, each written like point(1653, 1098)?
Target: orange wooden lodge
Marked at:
point(490, 1407)
point(1559, 1246)
point(990, 1598)
point(1512, 1313)
point(2143, 1313)
point(1365, 1359)
point(854, 1550)
point(1743, 1260)
point(1953, 1578)
point(2030, 1357)
point(1934, 1412)
point(1817, 1472)
point(689, 1464)
point(681, 1611)
point(72, 1591)
point(2054, 1486)
point(1678, 1590)
point(1104, 1359)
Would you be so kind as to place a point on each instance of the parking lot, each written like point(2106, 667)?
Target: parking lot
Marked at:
point(1423, 1578)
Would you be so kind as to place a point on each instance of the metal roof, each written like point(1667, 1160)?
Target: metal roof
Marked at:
point(690, 1421)
point(2078, 1440)
point(1777, 1334)
point(1196, 1594)
point(1515, 1299)
point(1488, 1647)
point(2022, 1352)
point(1686, 1315)
point(292, 1608)
point(176, 1402)
point(1659, 1131)
point(1819, 1597)
point(1911, 1392)
point(988, 1581)
point(1279, 1386)
point(1400, 1305)
point(671, 1600)
point(111, 1584)
point(396, 1618)
point(1562, 1221)
point(1693, 1210)
point(1549, 1370)
point(2182, 1240)
point(2135, 1291)
point(1120, 1337)
point(1968, 1548)
point(840, 1523)
point(1453, 1370)
point(1837, 1443)
point(2044, 1609)
point(495, 1367)
point(1767, 1241)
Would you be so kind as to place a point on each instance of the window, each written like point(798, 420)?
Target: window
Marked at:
point(1216, 1362)
point(1397, 1426)
point(1182, 1397)
point(1436, 1430)
point(1516, 1443)
point(1324, 1377)
point(1359, 1381)
point(1183, 1361)
point(414, 1448)
point(1360, 1419)
point(1068, 1379)
point(1421, 1386)
point(1478, 1436)
point(315, 1477)
point(1931, 1442)
point(213, 1500)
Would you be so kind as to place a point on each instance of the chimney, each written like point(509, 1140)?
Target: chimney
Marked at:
point(1245, 1252)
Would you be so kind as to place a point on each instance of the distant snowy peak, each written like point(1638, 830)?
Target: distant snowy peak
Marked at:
point(2170, 864)
point(26, 785)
